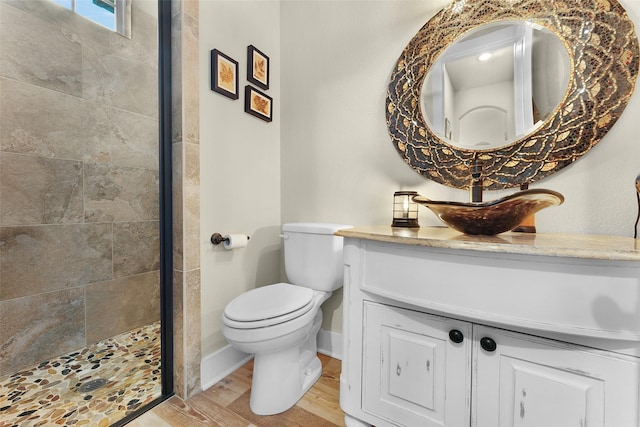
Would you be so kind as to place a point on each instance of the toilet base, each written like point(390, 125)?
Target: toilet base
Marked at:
point(281, 378)
point(291, 384)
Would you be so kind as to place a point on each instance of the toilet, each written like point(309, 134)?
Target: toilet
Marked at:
point(279, 323)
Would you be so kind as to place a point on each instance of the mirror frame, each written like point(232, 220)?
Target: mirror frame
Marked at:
point(603, 54)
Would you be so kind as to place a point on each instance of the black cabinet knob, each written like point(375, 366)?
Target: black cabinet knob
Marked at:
point(456, 336)
point(488, 344)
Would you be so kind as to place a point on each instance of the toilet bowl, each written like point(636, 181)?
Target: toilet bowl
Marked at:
point(279, 323)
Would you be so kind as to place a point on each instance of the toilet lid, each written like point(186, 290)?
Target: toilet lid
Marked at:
point(269, 302)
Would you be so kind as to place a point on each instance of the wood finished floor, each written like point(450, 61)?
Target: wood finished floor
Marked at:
point(226, 404)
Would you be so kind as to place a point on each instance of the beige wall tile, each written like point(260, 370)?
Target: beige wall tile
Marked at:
point(176, 76)
point(142, 46)
point(136, 248)
point(178, 207)
point(122, 82)
point(192, 333)
point(144, 40)
point(51, 124)
point(42, 122)
point(190, 84)
point(123, 304)
point(187, 335)
point(110, 196)
point(135, 139)
point(36, 190)
point(37, 52)
point(191, 8)
point(37, 327)
point(186, 161)
point(179, 374)
point(191, 206)
point(45, 258)
point(47, 11)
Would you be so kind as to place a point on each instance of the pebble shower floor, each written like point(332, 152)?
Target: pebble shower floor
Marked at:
point(64, 391)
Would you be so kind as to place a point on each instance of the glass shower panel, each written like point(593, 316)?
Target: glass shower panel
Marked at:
point(79, 215)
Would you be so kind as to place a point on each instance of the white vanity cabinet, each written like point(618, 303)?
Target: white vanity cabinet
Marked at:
point(531, 381)
point(442, 329)
point(418, 370)
point(413, 373)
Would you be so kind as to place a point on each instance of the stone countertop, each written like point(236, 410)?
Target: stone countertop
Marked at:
point(615, 248)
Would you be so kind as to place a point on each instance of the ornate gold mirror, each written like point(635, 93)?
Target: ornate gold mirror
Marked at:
point(568, 69)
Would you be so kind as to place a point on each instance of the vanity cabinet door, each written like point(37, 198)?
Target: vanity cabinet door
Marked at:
point(525, 381)
point(414, 373)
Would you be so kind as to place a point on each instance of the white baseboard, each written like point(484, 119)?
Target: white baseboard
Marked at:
point(223, 362)
point(218, 365)
point(330, 343)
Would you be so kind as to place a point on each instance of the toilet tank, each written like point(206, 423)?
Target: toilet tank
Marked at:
point(313, 255)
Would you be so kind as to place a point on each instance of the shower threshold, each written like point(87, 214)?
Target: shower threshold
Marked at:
point(95, 386)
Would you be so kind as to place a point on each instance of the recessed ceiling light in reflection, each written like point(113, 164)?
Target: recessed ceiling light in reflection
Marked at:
point(485, 56)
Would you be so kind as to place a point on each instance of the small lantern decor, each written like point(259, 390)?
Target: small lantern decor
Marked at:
point(405, 210)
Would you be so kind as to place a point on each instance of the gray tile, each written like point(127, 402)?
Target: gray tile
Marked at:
point(185, 87)
point(142, 43)
point(191, 85)
point(192, 8)
point(191, 206)
point(141, 46)
point(37, 190)
point(135, 139)
point(179, 342)
point(39, 327)
point(38, 52)
point(120, 194)
point(136, 248)
point(46, 10)
point(176, 78)
point(193, 348)
point(51, 124)
point(178, 206)
point(123, 304)
point(122, 82)
point(45, 258)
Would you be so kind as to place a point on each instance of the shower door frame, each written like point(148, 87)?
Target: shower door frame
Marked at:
point(165, 189)
point(166, 195)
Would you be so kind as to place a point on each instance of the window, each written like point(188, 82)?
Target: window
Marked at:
point(108, 13)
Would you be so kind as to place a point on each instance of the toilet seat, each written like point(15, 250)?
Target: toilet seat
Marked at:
point(267, 306)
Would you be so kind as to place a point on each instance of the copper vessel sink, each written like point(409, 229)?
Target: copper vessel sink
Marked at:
point(494, 217)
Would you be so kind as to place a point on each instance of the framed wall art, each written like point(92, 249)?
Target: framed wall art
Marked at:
point(224, 74)
point(258, 104)
point(257, 67)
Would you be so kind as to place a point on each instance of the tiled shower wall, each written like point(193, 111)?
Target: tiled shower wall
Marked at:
point(79, 214)
point(185, 87)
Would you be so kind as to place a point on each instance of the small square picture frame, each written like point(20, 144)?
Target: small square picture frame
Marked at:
point(258, 104)
point(257, 67)
point(224, 75)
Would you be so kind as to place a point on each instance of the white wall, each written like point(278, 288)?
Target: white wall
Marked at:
point(338, 163)
point(240, 162)
point(328, 157)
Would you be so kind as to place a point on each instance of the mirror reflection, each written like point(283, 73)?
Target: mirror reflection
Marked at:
point(495, 85)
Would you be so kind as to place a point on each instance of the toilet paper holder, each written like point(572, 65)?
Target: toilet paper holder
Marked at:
point(217, 238)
